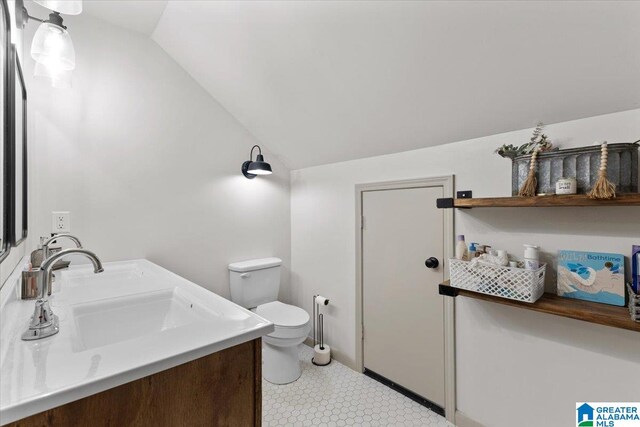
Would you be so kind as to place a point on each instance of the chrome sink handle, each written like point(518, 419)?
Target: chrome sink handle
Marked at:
point(43, 322)
point(44, 245)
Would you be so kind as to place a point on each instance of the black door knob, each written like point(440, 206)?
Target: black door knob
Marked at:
point(432, 262)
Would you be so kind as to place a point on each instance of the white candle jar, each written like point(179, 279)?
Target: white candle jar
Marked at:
point(566, 186)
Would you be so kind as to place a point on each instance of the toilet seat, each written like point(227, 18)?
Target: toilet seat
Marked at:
point(289, 321)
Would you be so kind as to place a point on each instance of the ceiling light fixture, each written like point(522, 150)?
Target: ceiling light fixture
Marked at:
point(51, 47)
point(67, 7)
point(251, 169)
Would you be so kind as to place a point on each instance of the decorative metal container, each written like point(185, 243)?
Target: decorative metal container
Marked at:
point(582, 164)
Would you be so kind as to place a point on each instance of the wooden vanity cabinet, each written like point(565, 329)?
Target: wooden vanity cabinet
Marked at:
point(221, 389)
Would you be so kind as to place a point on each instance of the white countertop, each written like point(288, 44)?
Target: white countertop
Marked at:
point(43, 374)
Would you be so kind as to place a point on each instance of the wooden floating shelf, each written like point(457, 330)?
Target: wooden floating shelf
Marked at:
point(629, 199)
point(601, 314)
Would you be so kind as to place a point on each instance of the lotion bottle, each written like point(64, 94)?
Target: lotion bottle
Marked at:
point(472, 251)
point(531, 257)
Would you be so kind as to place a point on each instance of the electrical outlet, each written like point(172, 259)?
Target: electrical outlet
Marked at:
point(61, 222)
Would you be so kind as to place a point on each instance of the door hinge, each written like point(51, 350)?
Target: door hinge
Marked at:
point(362, 223)
point(363, 332)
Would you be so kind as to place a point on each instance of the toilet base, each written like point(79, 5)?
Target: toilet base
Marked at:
point(280, 365)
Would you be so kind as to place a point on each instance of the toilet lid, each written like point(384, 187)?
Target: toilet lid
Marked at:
point(283, 315)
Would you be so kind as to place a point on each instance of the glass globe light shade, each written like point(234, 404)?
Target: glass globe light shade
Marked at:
point(57, 78)
point(67, 7)
point(52, 46)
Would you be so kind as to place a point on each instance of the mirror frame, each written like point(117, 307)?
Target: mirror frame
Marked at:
point(16, 77)
point(5, 247)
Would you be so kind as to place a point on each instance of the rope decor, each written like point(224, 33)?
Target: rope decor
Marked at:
point(529, 187)
point(603, 188)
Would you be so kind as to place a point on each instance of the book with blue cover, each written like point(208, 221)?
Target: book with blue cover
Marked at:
point(591, 276)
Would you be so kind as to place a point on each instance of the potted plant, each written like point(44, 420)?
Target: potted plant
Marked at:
point(538, 141)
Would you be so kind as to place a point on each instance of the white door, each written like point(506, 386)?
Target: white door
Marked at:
point(403, 314)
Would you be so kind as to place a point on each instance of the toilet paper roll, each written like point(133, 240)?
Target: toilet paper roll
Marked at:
point(320, 300)
point(322, 356)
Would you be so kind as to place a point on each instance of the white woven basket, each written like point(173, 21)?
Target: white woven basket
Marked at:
point(506, 282)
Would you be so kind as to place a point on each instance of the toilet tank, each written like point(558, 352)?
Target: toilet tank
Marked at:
point(255, 281)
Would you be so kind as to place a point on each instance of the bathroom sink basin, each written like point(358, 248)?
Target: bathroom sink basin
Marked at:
point(135, 316)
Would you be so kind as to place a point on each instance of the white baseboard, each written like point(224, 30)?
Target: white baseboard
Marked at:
point(464, 421)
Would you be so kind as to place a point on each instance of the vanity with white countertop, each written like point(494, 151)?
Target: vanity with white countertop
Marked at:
point(137, 345)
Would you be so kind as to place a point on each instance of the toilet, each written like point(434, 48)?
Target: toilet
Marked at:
point(254, 285)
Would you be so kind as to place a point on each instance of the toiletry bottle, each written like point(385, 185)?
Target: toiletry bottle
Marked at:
point(461, 248)
point(531, 257)
point(472, 251)
point(503, 256)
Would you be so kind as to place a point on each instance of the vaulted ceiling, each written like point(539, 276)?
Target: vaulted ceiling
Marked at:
point(326, 81)
point(141, 16)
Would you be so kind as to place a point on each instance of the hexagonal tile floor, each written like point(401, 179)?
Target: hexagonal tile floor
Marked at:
point(335, 395)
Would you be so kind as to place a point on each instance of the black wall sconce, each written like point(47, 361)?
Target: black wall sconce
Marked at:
point(251, 169)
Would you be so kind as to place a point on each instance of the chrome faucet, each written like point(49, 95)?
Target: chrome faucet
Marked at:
point(44, 244)
point(44, 323)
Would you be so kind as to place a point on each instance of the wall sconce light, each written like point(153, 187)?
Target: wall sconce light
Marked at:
point(68, 7)
point(51, 47)
point(251, 169)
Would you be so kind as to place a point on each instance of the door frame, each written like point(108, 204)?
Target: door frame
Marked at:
point(447, 184)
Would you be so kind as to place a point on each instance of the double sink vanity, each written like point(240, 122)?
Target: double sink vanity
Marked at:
point(136, 345)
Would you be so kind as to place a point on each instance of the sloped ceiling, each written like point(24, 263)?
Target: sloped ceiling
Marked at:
point(141, 16)
point(326, 81)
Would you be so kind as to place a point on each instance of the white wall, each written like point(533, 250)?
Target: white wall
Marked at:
point(148, 163)
point(527, 360)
